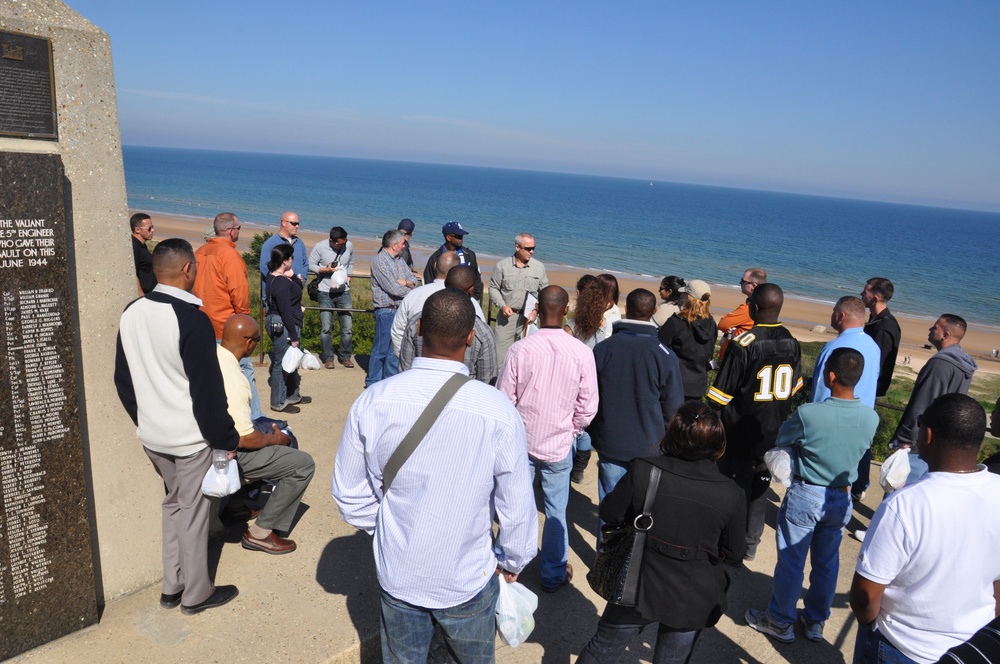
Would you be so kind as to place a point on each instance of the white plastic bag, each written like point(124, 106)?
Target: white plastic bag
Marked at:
point(779, 463)
point(895, 470)
point(515, 608)
point(292, 359)
point(218, 484)
point(310, 361)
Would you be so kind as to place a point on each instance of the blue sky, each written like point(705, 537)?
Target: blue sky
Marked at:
point(894, 101)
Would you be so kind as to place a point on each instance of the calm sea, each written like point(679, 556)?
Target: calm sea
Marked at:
point(814, 247)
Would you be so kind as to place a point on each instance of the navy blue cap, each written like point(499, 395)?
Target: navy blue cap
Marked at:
point(406, 225)
point(454, 228)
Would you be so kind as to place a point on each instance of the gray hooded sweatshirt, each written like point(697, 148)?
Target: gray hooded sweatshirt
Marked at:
point(949, 371)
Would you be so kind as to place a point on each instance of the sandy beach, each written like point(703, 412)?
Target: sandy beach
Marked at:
point(800, 316)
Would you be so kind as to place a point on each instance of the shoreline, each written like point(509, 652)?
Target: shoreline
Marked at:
point(800, 315)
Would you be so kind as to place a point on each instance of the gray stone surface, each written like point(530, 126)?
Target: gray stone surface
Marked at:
point(46, 563)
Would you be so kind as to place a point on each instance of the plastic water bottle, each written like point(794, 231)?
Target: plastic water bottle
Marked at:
point(220, 459)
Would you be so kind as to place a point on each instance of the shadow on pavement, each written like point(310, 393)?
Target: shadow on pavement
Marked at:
point(346, 567)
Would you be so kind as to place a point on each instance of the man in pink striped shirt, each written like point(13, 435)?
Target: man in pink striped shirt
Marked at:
point(551, 379)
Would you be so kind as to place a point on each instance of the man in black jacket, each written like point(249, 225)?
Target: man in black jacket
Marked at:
point(454, 239)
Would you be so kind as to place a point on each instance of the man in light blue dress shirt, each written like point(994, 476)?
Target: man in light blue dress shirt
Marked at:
point(436, 558)
point(848, 318)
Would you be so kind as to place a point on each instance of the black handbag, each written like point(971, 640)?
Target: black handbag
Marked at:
point(615, 575)
point(312, 288)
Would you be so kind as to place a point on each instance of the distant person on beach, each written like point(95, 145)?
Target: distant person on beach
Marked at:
point(436, 556)
point(261, 456)
point(223, 287)
point(454, 240)
point(927, 574)
point(697, 523)
point(640, 388)
point(739, 321)
point(413, 304)
point(551, 379)
point(284, 325)
point(142, 232)
point(288, 233)
point(407, 226)
point(514, 278)
point(673, 294)
point(480, 355)
point(691, 334)
point(759, 375)
point(168, 379)
point(326, 258)
point(825, 439)
point(391, 282)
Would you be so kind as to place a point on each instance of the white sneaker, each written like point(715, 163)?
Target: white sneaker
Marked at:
point(813, 630)
point(858, 497)
point(761, 621)
point(859, 534)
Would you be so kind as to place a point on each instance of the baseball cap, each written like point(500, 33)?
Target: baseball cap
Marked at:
point(406, 225)
point(698, 288)
point(453, 228)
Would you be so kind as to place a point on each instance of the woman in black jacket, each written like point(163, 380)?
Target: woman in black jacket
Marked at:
point(284, 322)
point(699, 524)
point(691, 334)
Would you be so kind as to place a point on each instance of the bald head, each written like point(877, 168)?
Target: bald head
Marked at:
point(553, 304)
point(848, 313)
point(446, 262)
point(765, 303)
point(174, 264)
point(240, 335)
point(461, 277)
point(640, 304)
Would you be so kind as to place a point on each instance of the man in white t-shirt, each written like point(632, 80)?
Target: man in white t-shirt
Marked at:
point(928, 574)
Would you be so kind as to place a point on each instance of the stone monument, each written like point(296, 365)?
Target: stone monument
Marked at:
point(79, 515)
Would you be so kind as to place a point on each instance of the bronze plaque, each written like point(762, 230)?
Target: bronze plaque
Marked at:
point(27, 87)
point(47, 585)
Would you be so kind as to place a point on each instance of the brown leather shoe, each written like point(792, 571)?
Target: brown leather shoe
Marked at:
point(347, 363)
point(272, 544)
point(330, 364)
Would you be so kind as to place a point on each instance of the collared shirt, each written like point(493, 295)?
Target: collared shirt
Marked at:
point(853, 337)
point(300, 261)
point(386, 290)
point(221, 282)
point(480, 357)
point(237, 391)
point(551, 379)
point(510, 283)
point(412, 305)
point(323, 254)
point(433, 530)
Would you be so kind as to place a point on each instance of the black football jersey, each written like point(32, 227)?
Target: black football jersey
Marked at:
point(759, 374)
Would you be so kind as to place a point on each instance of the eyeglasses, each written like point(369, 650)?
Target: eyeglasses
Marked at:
point(255, 338)
point(290, 223)
point(144, 228)
point(528, 248)
point(744, 282)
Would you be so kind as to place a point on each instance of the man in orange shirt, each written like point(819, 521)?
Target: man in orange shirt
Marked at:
point(221, 285)
point(738, 321)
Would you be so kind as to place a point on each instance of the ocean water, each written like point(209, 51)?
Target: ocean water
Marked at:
point(940, 260)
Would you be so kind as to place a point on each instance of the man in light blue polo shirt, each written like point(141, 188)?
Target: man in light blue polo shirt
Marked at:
point(848, 318)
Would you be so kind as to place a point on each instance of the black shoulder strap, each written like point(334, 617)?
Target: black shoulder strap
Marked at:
point(420, 428)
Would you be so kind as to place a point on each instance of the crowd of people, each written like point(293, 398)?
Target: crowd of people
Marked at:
point(458, 418)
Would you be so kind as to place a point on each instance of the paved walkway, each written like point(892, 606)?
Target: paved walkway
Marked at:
point(320, 603)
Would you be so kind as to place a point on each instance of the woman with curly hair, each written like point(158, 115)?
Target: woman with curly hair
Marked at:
point(672, 290)
point(588, 312)
point(691, 334)
point(612, 315)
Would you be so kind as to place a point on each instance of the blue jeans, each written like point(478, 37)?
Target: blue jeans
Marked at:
point(810, 521)
point(383, 362)
point(555, 532)
point(871, 647)
point(583, 443)
point(284, 386)
point(609, 643)
point(469, 628)
point(609, 473)
point(246, 366)
point(340, 301)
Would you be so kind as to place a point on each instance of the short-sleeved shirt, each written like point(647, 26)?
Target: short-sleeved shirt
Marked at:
point(237, 391)
point(759, 375)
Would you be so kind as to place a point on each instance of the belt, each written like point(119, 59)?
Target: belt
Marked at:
point(842, 489)
point(389, 306)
